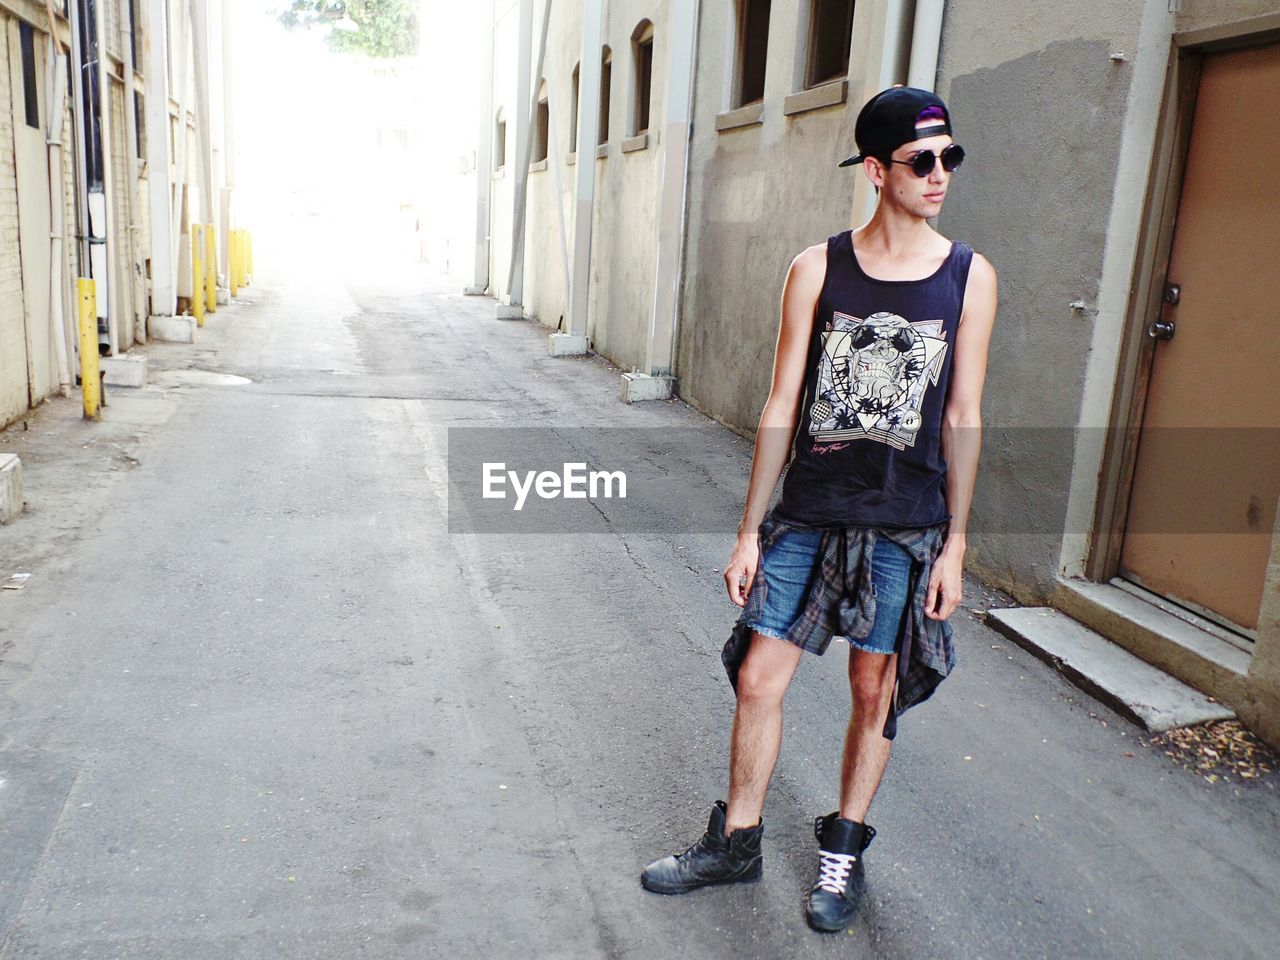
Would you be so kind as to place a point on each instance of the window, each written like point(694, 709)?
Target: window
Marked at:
point(542, 129)
point(642, 55)
point(140, 126)
point(752, 51)
point(830, 32)
point(606, 82)
point(573, 109)
point(29, 89)
point(500, 143)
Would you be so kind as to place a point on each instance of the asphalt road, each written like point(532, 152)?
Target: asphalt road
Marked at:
point(258, 700)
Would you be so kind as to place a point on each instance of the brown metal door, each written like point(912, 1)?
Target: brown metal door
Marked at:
point(1207, 472)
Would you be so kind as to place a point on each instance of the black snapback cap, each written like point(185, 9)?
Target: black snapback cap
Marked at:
point(888, 120)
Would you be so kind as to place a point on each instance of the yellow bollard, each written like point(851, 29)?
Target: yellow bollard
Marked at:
point(240, 258)
point(211, 268)
point(90, 385)
point(233, 280)
point(248, 256)
point(197, 273)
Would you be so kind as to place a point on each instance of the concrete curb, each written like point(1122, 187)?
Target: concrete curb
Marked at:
point(1107, 672)
point(10, 487)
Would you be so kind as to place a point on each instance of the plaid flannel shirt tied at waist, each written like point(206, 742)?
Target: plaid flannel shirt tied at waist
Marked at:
point(841, 602)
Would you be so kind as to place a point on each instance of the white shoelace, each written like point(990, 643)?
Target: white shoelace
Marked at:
point(834, 870)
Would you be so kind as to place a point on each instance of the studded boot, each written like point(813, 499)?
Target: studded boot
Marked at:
point(714, 859)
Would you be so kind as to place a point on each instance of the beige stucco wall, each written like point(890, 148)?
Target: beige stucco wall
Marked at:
point(624, 233)
point(757, 196)
point(13, 351)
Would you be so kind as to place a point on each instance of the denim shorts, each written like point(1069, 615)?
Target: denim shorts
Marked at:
point(790, 566)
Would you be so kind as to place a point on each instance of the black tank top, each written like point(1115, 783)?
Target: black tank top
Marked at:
point(867, 449)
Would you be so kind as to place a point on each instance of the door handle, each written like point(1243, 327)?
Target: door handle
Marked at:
point(1160, 330)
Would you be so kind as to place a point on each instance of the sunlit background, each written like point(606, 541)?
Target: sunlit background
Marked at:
point(375, 154)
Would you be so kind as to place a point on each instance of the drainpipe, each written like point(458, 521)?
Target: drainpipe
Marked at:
point(178, 214)
point(524, 148)
point(131, 170)
point(484, 169)
point(155, 39)
point(682, 52)
point(106, 283)
point(81, 158)
point(226, 33)
point(200, 52)
point(926, 37)
point(584, 171)
point(900, 44)
point(56, 76)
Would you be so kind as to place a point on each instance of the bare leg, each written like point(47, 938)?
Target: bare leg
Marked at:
point(757, 726)
point(866, 751)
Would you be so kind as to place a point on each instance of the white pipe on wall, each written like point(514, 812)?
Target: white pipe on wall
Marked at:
point(155, 39)
point(132, 225)
point(484, 165)
point(926, 38)
point(584, 171)
point(178, 214)
point(682, 51)
point(56, 76)
point(105, 282)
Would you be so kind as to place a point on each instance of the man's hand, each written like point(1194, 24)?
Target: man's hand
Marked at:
point(742, 567)
point(946, 584)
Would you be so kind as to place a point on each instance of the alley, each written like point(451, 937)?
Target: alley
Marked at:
point(258, 701)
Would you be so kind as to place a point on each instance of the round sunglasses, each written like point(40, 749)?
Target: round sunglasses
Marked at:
point(922, 163)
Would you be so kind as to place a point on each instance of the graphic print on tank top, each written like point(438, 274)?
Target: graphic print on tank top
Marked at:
point(872, 378)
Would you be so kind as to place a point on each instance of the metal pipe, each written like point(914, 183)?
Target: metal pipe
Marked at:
point(484, 164)
point(926, 38)
point(132, 226)
point(660, 359)
point(179, 211)
point(584, 177)
point(105, 284)
point(55, 85)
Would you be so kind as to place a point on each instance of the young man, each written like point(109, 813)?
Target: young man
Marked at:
point(880, 362)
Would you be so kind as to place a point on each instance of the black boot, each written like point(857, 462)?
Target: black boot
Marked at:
point(713, 859)
point(833, 901)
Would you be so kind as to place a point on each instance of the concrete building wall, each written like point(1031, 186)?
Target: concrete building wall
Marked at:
point(624, 240)
point(625, 231)
point(757, 196)
point(1058, 108)
point(1040, 107)
point(13, 346)
point(28, 366)
point(544, 294)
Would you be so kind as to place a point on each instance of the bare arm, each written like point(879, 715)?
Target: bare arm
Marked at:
point(962, 430)
point(781, 411)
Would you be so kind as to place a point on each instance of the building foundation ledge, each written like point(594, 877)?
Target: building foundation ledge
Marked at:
point(127, 370)
point(567, 345)
point(10, 487)
point(634, 387)
point(172, 329)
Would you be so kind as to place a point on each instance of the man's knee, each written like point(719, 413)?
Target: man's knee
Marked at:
point(766, 673)
point(871, 681)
